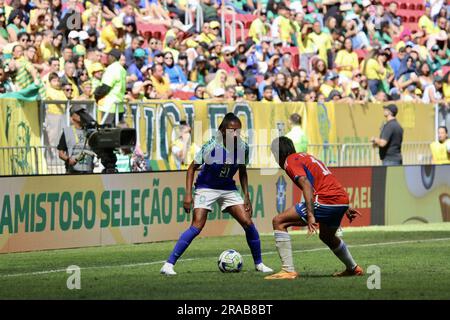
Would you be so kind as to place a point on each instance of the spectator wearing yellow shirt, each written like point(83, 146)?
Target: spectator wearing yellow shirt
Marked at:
point(97, 73)
point(305, 44)
point(282, 27)
point(88, 93)
point(67, 55)
point(69, 77)
point(206, 35)
point(347, 60)
point(446, 87)
point(375, 72)
point(55, 113)
point(214, 27)
point(183, 149)
point(6, 7)
point(160, 82)
point(93, 15)
point(47, 48)
point(112, 35)
point(258, 28)
point(53, 92)
point(54, 67)
point(171, 43)
point(440, 150)
point(321, 40)
point(331, 84)
point(268, 95)
point(426, 23)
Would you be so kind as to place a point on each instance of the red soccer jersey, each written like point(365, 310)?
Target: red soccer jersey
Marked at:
point(326, 187)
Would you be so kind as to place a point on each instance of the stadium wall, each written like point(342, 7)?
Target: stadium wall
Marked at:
point(52, 212)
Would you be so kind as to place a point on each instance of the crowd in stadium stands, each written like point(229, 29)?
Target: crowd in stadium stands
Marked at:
point(321, 50)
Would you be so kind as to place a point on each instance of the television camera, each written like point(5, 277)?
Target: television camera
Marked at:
point(103, 140)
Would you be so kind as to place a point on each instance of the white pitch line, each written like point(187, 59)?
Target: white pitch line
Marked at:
point(193, 259)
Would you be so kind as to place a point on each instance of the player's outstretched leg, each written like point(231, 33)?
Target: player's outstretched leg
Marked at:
point(251, 234)
point(198, 222)
point(339, 248)
point(283, 243)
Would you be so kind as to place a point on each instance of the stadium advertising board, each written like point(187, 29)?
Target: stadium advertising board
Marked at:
point(417, 194)
point(358, 184)
point(49, 212)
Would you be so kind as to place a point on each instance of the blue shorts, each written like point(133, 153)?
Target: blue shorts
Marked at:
point(331, 215)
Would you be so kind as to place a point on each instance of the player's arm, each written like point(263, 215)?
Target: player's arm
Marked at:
point(243, 178)
point(189, 181)
point(379, 142)
point(308, 195)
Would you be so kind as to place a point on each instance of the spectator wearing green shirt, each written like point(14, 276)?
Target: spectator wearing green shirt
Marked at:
point(111, 92)
point(297, 135)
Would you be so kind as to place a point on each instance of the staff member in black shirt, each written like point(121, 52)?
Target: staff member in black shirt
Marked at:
point(391, 137)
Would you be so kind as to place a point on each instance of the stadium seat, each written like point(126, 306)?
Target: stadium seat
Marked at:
point(295, 56)
point(182, 95)
point(411, 26)
point(412, 6)
point(361, 54)
point(153, 30)
point(445, 70)
point(403, 6)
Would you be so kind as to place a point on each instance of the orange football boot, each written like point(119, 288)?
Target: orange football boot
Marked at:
point(283, 275)
point(357, 271)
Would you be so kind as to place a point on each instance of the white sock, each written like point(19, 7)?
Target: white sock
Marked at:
point(283, 243)
point(345, 256)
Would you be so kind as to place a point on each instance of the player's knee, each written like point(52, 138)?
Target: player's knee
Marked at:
point(198, 225)
point(276, 222)
point(246, 223)
point(325, 238)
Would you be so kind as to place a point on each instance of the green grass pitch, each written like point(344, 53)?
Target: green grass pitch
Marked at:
point(414, 263)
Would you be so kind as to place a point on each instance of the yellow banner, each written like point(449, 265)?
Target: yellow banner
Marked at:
point(156, 123)
point(50, 212)
point(20, 130)
point(358, 123)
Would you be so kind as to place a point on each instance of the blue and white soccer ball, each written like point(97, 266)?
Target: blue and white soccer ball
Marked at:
point(230, 261)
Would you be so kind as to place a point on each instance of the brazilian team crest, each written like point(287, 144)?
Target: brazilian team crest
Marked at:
point(281, 194)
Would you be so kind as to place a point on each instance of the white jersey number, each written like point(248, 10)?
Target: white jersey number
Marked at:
point(323, 167)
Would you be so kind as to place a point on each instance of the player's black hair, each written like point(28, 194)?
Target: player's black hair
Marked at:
point(443, 127)
point(282, 147)
point(229, 117)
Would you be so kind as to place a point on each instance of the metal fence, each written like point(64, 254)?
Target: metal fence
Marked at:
point(364, 154)
point(37, 160)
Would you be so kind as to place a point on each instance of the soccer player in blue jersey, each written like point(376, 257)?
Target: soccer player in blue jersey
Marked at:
point(220, 158)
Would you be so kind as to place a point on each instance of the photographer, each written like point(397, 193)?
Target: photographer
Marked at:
point(72, 145)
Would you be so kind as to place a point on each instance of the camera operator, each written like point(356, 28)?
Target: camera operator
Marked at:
point(72, 145)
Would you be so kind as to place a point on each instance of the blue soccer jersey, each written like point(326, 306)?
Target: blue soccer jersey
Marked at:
point(219, 165)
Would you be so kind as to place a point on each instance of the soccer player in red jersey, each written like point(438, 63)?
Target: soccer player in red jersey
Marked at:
point(325, 201)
